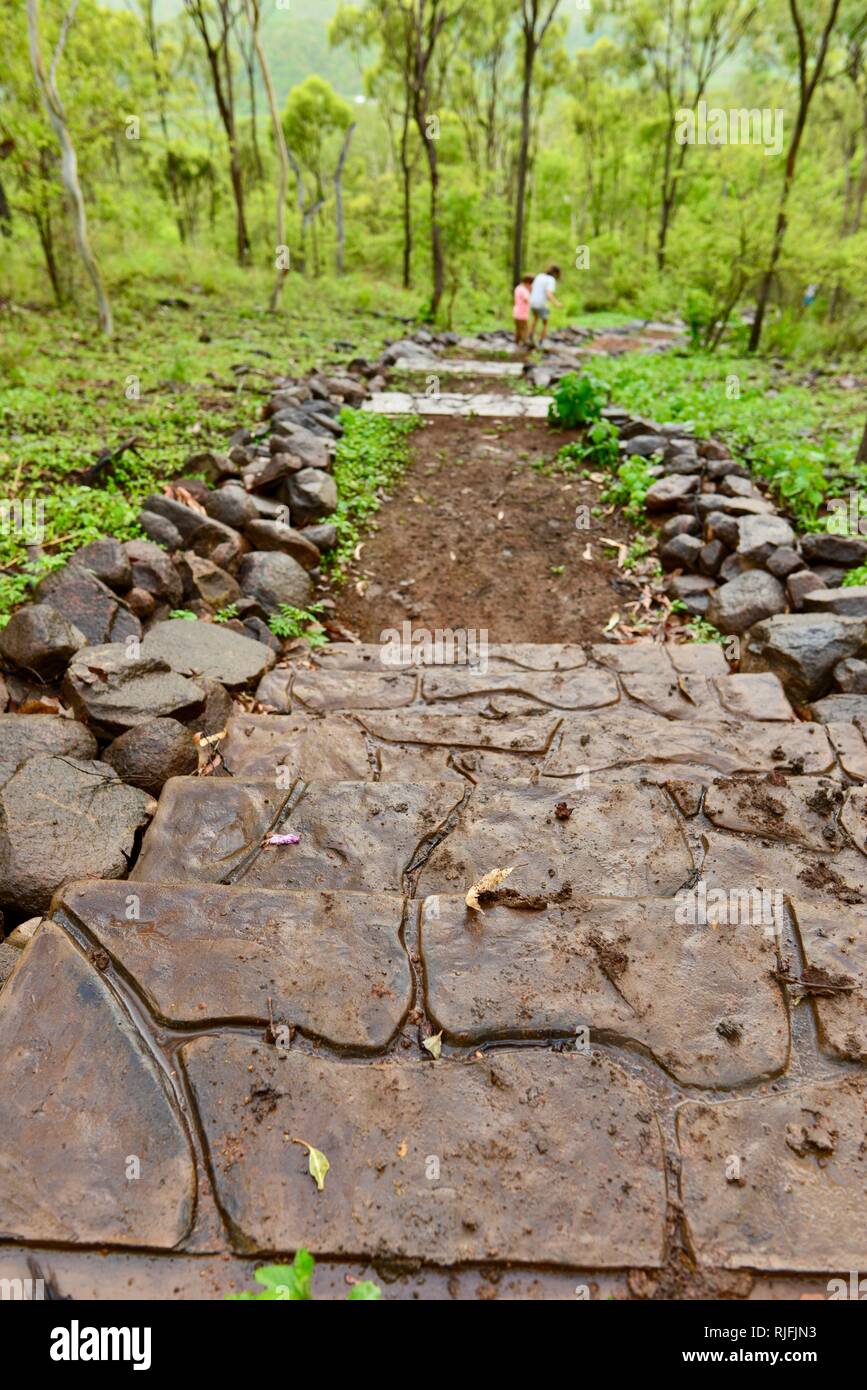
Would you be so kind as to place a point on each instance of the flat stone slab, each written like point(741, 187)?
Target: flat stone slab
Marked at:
point(621, 840)
point(462, 687)
point(361, 836)
point(208, 649)
point(457, 366)
point(776, 1182)
point(801, 810)
point(391, 656)
point(551, 1159)
point(838, 880)
point(80, 1096)
point(725, 746)
point(401, 746)
point(452, 403)
point(834, 941)
point(329, 964)
point(700, 999)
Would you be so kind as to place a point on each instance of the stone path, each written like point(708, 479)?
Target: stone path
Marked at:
point(454, 403)
point(621, 1087)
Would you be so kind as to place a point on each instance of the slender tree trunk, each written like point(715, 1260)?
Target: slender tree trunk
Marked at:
point(406, 173)
point(436, 238)
point(282, 158)
point(45, 82)
point(861, 456)
point(46, 241)
point(523, 161)
point(338, 194)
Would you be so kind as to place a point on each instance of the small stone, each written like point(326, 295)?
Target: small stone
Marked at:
point(205, 582)
point(311, 495)
point(323, 536)
point(186, 520)
point(88, 604)
point(24, 932)
point(851, 676)
point(711, 557)
point(734, 486)
point(718, 526)
point(26, 736)
point(803, 649)
point(207, 649)
point(840, 709)
point(38, 639)
point(274, 579)
point(310, 448)
point(714, 449)
point(108, 560)
point(149, 754)
point(153, 571)
point(759, 536)
point(732, 566)
point(746, 600)
point(783, 561)
point(829, 549)
point(683, 525)
point(142, 603)
point(232, 506)
point(219, 707)
point(851, 602)
point(682, 552)
point(801, 584)
point(274, 535)
point(115, 691)
point(666, 493)
point(160, 530)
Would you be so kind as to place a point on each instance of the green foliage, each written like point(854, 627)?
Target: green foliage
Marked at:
point(855, 577)
point(630, 487)
point(294, 1284)
point(578, 400)
point(184, 613)
point(298, 622)
point(700, 630)
point(598, 447)
point(225, 615)
point(371, 455)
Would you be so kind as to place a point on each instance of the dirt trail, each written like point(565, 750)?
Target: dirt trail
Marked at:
point(474, 535)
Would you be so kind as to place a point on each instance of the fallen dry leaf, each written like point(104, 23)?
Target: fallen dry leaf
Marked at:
point(318, 1164)
point(486, 884)
point(434, 1044)
point(612, 622)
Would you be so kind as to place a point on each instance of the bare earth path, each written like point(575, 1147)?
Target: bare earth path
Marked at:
point(632, 1068)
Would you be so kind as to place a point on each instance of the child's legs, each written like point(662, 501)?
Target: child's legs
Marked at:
point(543, 318)
point(521, 326)
point(533, 326)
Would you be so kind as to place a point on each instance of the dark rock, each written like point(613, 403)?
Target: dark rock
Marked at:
point(64, 818)
point(759, 536)
point(731, 567)
point(208, 649)
point(323, 536)
point(711, 557)
point(718, 469)
point(26, 736)
point(232, 506)
point(153, 571)
point(259, 631)
point(718, 526)
point(709, 502)
point(799, 585)
point(205, 582)
point(803, 649)
point(311, 495)
point(268, 471)
point(850, 602)
point(218, 708)
point(142, 603)
point(693, 590)
point(147, 755)
point(274, 535)
point(37, 638)
point(312, 449)
point(667, 492)
point(714, 449)
point(851, 676)
point(160, 531)
point(681, 552)
point(733, 485)
point(682, 525)
point(88, 604)
point(108, 560)
point(272, 510)
point(783, 561)
point(645, 445)
point(186, 520)
point(115, 691)
point(214, 466)
point(218, 543)
point(273, 579)
point(825, 548)
point(831, 576)
point(746, 600)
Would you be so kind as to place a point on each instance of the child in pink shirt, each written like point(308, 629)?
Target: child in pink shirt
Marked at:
point(522, 308)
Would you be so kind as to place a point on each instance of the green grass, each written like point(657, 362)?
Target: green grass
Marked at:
point(372, 455)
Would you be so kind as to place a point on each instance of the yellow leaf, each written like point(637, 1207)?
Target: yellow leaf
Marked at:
point(612, 622)
point(433, 1044)
point(318, 1163)
point(486, 884)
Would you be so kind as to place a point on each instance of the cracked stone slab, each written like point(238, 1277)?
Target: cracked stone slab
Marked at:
point(452, 403)
point(553, 1159)
point(802, 810)
point(431, 746)
point(614, 841)
point(331, 964)
point(759, 695)
point(851, 749)
point(673, 696)
point(529, 656)
point(361, 836)
point(323, 691)
point(799, 1201)
point(584, 689)
point(734, 862)
point(312, 748)
point(724, 746)
point(700, 999)
point(834, 942)
point(79, 1095)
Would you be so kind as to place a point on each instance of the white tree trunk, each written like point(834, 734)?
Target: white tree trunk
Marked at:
point(338, 192)
point(45, 82)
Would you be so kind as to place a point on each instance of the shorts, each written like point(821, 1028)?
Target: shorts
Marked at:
point(543, 313)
